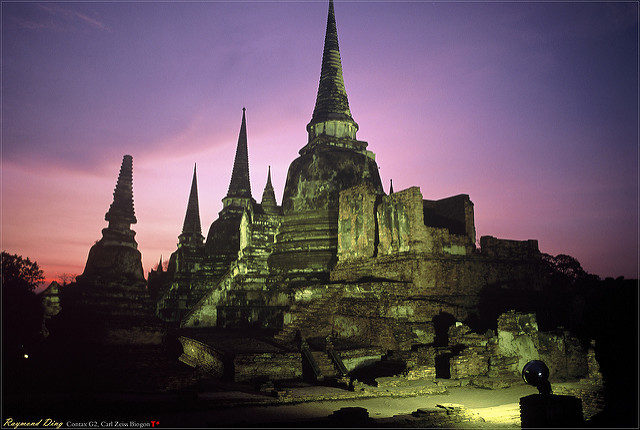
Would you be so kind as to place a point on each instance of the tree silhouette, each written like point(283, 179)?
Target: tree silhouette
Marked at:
point(22, 313)
point(20, 273)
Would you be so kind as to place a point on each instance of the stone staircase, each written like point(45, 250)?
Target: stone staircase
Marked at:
point(325, 366)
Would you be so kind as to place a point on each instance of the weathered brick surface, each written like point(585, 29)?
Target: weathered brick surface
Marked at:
point(592, 395)
point(454, 213)
point(200, 356)
point(504, 248)
point(472, 361)
point(357, 234)
point(272, 366)
point(518, 336)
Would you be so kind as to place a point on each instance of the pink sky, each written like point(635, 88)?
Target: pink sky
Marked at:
point(530, 108)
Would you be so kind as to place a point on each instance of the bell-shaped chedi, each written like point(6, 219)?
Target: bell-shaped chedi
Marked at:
point(115, 257)
point(332, 160)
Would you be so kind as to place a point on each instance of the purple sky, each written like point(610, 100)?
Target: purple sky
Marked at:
point(530, 108)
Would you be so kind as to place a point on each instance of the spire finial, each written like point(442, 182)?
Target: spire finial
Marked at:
point(268, 195)
point(191, 226)
point(121, 210)
point(239, 185)
point(391, 186)
point(332, 103)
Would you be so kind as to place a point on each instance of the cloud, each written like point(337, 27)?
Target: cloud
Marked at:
point(56, 18)
point(71, 16)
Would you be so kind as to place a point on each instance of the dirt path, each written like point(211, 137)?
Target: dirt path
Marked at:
point(492, 403)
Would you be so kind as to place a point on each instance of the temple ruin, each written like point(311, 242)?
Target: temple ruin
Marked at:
point(334, 281)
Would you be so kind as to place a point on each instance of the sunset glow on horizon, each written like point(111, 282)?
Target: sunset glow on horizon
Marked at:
point(530, 108)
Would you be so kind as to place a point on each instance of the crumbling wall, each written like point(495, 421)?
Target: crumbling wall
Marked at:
point(371, 225)
point(518, 336)
point(271, 366)
point(400, 222)
point(421, 364)
point(505, 248)
point(200, 356)
point(453, 213)
point(257, 235)
point(356, 223)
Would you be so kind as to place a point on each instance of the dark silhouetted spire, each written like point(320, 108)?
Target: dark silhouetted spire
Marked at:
point(191, 229)
point(159, 268)
point(331, 103)
point(268, 195)
point(391, 186)
point(192, 217)
point(239, 185)
point(121, 210)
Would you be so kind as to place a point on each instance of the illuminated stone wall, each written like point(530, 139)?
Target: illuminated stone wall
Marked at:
point(518, 336)
point(200, 356)
point(239, 298)
point(271, 366)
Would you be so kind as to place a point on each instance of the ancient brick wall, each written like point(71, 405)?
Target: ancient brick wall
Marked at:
point(205, 312)
point(272, 366)
point(453, 213)
point(400, 222)
point(472, 361)
point(370, 224)
point(257, 235)
point(454, 280)
point(518, 336)
point(421, 364)
point(356, 224)
point(504, 248)
point(237, 299)
point(200, 356)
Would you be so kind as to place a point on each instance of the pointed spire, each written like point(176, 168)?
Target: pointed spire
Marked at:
point(239, 185)
point(191, 226)
point(331, 102)
point(391, 186)
point(268, 195)
point(159, 268)
point(121, 210)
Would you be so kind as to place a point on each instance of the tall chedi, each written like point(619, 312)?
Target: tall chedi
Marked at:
point(331, 161)
point(115, 257)
point(184, 282)
point(191, 235)
point(223, 240)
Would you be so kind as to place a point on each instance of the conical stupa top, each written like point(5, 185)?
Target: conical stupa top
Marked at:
point(121, 210)
point(391, 186)
point(268, 195)
point(331, 102)
point(192, 217)
point(239, 185)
